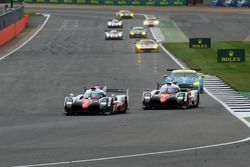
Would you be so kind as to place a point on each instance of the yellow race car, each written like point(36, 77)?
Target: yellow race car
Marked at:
point(146, 45)
point(124, 14)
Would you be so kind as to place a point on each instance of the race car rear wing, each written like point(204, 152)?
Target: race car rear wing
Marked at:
point(172, 69)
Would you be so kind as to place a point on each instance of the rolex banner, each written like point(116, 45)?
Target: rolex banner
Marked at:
point(199, 42)
point(230, 55)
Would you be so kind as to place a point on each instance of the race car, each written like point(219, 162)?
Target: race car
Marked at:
point(95, 100)
point(151, 21)
point(170, 96)
point(113, 34)
point(146, 45)
point(190, 79)
point(138, 32)
point(115, 23)
point(124, 14)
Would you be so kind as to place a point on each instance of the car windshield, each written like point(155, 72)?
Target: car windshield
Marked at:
point(168, 90)
point(147, 42)
point(92, 95)
point(138, 28)
point(183, 74)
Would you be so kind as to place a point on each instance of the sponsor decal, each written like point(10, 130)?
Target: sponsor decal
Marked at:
point(164, 2)
point(122, 2)
point(136, 2)
point(230, 55)
point(199, 42)
point(150, 2)
point(178, 2)
point(109, 2)
point(95, 2)
point(80, 1)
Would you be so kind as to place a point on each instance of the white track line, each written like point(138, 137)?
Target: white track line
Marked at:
point(13, 51)
point(136, 155)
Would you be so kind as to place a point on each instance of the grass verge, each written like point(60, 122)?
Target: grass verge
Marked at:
point(237, 75)
point(33, 14)
point(247, 118)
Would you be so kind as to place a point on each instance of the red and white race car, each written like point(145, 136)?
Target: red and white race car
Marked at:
point(95, 100)
point(170, 95)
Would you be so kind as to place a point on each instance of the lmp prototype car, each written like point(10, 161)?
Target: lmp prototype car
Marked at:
point(151, 21)
point(115, 23)
point(138, 32)
point(170, 96)
point(113, 34)
point(95, 100)
point(124, 14)
point(186, 79)
point(146, 45)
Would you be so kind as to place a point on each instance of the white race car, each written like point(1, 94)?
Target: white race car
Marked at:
point(113, 34)
point(115, 23)
point(151, 21)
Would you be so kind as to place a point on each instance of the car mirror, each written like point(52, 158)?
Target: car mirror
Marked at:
point(165, 76)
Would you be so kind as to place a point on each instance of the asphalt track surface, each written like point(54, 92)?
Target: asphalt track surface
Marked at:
point(69, 53)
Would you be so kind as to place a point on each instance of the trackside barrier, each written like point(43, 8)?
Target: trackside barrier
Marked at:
point(13, 30)
point(115, 2)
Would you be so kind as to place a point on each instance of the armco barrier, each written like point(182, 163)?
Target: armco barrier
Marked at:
point(13, 30)
point(116, 2)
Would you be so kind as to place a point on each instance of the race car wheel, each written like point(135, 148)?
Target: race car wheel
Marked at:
point(197, 101)
point(126, 107)
point(110, 110)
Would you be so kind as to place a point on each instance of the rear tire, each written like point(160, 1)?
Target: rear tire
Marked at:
point(110, 110)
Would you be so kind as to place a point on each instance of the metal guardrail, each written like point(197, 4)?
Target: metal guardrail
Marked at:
point(9, 16)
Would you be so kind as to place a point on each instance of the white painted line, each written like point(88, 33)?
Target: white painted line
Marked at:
point(136, 155)
point(13, 51)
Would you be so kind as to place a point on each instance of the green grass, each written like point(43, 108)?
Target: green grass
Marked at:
point(237, 75)
point(248, 119)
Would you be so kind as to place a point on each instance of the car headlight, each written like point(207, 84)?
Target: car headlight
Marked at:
point(107, 35)
point(119, 35)
point(121, 14)
point(138, 46)
point(196, 84)
point(132, 14)
point(143, 33)
point(155, 46)
point(145, 23)
point(132, 33)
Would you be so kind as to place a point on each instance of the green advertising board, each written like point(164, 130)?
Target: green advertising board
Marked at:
point(199, 42)
point(115, 2)
point(230, 55)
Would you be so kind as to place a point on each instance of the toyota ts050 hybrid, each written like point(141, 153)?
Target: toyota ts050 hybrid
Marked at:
point(146, 45)
point(96, 100)
point(113, 34)
point(151, 21)
point(138, 32)
point(115, 23)
point(186, 79)
point(124, 14)
point(170, 95)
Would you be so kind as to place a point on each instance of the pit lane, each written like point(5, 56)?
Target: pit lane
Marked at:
point(69, 53)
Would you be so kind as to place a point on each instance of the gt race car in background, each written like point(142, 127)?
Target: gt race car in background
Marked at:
point(115, 23)
point(138, 32)
point(96, 100)
point(186, 79)
point(170, 96)
point(151, 21)
point(113, 34)
point(124, 14)
point(146, 45)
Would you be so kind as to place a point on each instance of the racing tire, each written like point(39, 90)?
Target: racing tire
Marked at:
point(110, 109)
point(197, 101)
point(186, 104)
point(126, 107)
